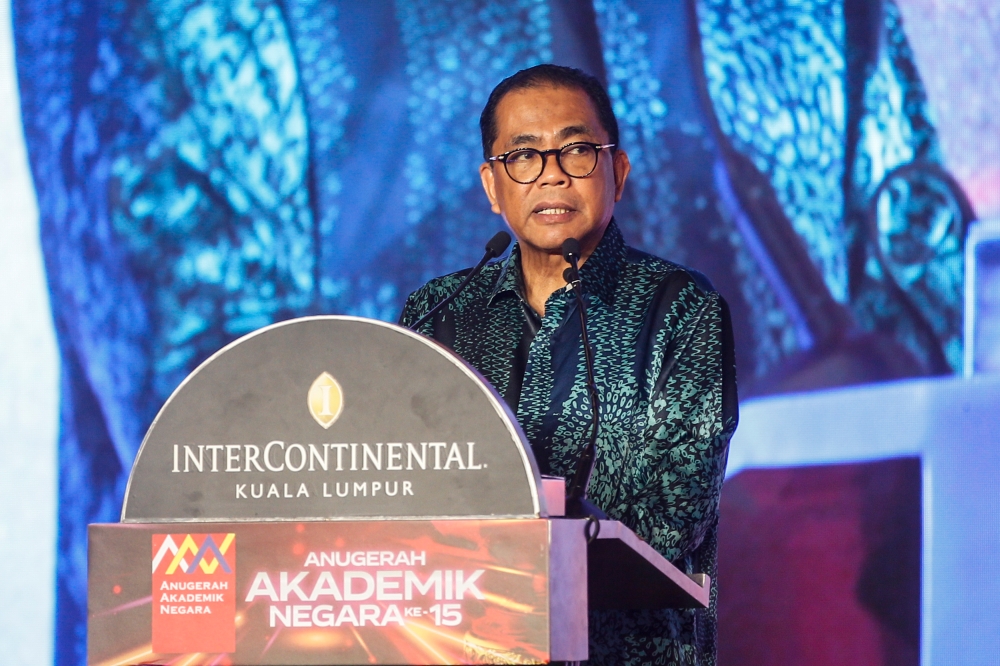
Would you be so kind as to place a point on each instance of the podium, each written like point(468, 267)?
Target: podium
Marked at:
point(335, 490)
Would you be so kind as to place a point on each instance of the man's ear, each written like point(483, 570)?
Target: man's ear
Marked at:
point(489, 185)
point(622, 169)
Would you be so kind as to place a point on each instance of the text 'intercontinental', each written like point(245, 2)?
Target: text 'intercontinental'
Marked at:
point(279, 457)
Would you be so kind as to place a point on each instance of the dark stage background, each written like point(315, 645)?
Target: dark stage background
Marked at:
point(206, 167)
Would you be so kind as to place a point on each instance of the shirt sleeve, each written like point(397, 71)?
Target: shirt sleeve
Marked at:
point(416, 304)
point(691, 417)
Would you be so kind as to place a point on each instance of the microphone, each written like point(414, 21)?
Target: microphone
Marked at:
point(494, 248)
point(577, 504)
point(571, 253)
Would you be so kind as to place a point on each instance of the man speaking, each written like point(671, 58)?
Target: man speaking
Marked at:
point(661, 340)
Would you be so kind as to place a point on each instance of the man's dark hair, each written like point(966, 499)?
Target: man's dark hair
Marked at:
point(548, 75)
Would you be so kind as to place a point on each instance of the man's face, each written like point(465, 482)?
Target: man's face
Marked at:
point(555, 207)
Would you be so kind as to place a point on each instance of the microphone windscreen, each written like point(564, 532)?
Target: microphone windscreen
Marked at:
point(570, 248)
point(498, 243)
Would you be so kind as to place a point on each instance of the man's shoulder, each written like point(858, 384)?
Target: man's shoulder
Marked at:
point(439, 288)
point(443, 285)
point(664, 275)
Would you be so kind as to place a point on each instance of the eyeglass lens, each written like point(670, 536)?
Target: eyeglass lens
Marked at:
point(577, 160)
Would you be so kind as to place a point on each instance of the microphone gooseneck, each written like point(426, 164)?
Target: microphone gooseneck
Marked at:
point(494, 248)
point(577, 504)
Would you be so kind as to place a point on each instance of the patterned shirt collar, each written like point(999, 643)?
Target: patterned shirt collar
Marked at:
point(599, 273)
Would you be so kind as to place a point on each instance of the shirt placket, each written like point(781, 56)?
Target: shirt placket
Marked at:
point(536, 389)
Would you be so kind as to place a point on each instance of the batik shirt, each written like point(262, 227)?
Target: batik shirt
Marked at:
point(665, 374)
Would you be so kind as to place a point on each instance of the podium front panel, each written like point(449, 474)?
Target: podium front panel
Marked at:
point(379, 592)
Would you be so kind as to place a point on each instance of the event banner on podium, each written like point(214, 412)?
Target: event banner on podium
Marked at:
point(194, 592)
point(403, 592)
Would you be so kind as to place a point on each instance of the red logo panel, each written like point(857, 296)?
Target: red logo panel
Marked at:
point(194, 593)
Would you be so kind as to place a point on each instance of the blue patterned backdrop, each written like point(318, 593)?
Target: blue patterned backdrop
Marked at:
point(207, 167)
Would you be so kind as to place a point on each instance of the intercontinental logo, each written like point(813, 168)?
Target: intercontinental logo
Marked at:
point(325, 400)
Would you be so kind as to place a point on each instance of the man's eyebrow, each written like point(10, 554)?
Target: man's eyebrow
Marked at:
point(522, 139)
point(561, 135)
point(573, 130)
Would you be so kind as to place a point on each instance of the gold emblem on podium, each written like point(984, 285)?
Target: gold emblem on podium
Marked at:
point(326, 400)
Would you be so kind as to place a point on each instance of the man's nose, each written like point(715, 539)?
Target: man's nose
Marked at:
point(552, 172)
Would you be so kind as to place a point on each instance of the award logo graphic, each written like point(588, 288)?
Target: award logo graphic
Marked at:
point(326, 400)
point(194, 593)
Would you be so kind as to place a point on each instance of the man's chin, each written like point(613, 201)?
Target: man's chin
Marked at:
point(550, 239)
point(547, 245)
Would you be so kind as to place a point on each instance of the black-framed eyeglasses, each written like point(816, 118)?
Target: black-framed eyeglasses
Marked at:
point(525, 165)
